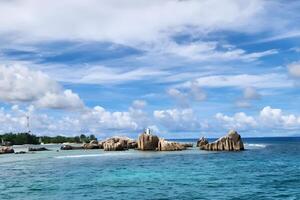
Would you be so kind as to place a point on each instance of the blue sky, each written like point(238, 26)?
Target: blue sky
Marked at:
point(182, 68)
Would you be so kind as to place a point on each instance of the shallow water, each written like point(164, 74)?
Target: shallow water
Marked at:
point(268, 169)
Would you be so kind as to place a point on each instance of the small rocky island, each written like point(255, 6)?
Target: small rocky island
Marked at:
point(149, 142)
point(231, 142)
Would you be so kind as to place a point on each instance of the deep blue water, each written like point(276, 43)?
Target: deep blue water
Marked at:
point(268, 169)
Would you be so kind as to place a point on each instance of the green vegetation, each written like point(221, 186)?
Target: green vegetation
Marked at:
point(27, 138)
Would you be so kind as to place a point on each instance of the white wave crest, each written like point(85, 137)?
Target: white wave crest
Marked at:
point(94, 155)
point(255, 145)
point(78, 156)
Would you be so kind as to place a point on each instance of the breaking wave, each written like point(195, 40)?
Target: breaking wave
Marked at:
point(255, 146)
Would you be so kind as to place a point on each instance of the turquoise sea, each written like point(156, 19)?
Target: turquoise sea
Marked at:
point(268, 169)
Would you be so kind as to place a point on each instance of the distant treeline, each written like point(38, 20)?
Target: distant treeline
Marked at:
point(27, 138)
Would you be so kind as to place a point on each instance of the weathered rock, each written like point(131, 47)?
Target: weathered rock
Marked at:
point(114, 146)
point(118, 144)
point(92, 145)
point(202, 142)
point(5, 150)
point(231, 142)
point(148, 142)
point(38, 149)
point(187, 145)
point(132, 144)
point(164, 145)
point(69, 147)
point(100, 144)
point(94, 142)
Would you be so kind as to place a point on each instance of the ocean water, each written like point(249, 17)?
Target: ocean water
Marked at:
point(268, 169)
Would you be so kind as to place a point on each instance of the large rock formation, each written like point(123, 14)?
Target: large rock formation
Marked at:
point(148, 142)
point(5, 150)
point(118, 144)
point(164, 145)
point(231, 142)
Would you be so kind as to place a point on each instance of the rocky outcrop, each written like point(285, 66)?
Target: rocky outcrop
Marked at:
point(114, 146)
point(38, 149)
point(132, 144)
point(187, 145)
point(148, 142)
point(100, 144)
point(92, 145)
point(5, 150)
point(69, 147)
point(164, 145)
point(231, 142)
point(202, 142)
point(118, 144)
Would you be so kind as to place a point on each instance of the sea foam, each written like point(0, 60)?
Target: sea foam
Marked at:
point(255, 145)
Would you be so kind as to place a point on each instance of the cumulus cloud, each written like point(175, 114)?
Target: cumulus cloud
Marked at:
point(267, 118)
point(177, 119)
point(63, 100)
point(239, 121)
point(272, 117)
point(20, 84)
point(96, 120)
point(98, 116)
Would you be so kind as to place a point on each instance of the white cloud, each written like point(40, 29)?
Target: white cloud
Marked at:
point(275, 118)
point(96, 120)
point(139, 104)
point(177, 119)
point(20, 84)
point(294, 69)
point(99, 117)
point(180, 97)
point(103, 75)
point(208, 51)
point(243, 80)
point(269, 119)
point(194, 92)
point(126, 21)
point(65, 100)
point(239, 121)
point(104, 123)
point(280, 36)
